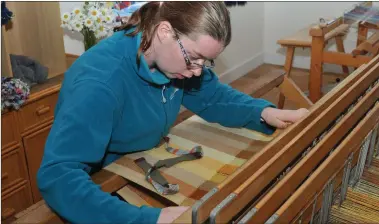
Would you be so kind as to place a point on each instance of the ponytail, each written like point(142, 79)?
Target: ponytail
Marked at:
point(144, 19)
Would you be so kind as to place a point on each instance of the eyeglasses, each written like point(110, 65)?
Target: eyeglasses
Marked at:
point(193, 65)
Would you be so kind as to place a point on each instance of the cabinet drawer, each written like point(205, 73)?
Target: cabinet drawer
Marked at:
point(9, 131)
point(15, 200)
point(13, 166)
point(37, 112)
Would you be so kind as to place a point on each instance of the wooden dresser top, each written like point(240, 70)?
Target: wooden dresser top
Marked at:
point(38, 91)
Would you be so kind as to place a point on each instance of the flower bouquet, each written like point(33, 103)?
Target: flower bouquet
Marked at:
point(94, 20)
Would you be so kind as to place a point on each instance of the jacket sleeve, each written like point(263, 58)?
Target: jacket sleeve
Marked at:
point(78, 140)
point(219, 103)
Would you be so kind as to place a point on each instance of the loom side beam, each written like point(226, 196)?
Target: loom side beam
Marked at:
point(272, 201)
point(271, 169)
point(370, 45)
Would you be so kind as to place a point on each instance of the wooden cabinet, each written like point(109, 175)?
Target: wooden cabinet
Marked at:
point(24, 133)
point(9, 134)
point(13, 166)
point(34, 145)
point(15, 186)
point(15, 199)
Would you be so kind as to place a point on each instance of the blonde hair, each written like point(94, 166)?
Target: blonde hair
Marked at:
point(187, 18)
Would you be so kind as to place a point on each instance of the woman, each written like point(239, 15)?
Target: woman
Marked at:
point(124, 94)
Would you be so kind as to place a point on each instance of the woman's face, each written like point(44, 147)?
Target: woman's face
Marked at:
point(171, 60)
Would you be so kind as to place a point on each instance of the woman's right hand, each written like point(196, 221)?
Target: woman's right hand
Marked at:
point(169, 214)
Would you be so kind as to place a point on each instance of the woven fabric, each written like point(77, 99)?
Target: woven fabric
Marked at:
point(225, 149)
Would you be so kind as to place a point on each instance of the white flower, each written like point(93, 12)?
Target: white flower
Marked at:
point(80, 17)
point(77, 26)
point(98, 20)
point(66, 17)
point(77, 11)
point(88, 23)
point(94, 13)
point(104, 11)
point(101, 31)
point(108, 19)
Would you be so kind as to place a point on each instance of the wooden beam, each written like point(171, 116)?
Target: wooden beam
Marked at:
point(287, 68)
point(291, 91)
point(318, 30)
point(338, 31)
point(341, 48)
point(316, 69)
point(367, 46)
point(345, 59)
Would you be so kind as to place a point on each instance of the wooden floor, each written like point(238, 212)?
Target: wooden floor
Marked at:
point(299, 76)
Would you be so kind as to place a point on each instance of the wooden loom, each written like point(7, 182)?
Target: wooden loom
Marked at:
point(316, 38)
point(290, 178)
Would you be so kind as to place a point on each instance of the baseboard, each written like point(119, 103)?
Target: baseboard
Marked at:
point(241, 69)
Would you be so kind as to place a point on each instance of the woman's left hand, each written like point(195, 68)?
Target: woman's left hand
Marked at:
point(282, 118)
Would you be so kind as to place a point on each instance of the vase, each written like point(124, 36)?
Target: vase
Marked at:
point(89, 38)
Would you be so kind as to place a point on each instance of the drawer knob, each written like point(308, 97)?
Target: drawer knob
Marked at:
point(43, 110)
point(4, 176)
point(8, 212)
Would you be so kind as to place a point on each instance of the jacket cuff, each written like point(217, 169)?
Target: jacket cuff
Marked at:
point(258, 124)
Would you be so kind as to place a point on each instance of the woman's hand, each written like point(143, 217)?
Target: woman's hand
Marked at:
point(282, 118)
point(169, 214)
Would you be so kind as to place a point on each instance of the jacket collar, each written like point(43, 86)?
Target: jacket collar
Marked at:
point(143, 70)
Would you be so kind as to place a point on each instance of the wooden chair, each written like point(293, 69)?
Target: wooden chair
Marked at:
point(316, 37)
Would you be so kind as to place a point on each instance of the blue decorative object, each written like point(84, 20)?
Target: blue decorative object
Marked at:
point(234, 3)
point(6, 15)
point(126, 8)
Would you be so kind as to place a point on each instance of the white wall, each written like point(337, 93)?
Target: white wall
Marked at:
point(285, 18)
point(245, 52)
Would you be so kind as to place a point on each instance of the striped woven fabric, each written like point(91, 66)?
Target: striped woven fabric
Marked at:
point(225, 149)
point(362, 202)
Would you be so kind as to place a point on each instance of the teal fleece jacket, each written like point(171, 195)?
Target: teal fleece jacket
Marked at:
point(109, 106)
